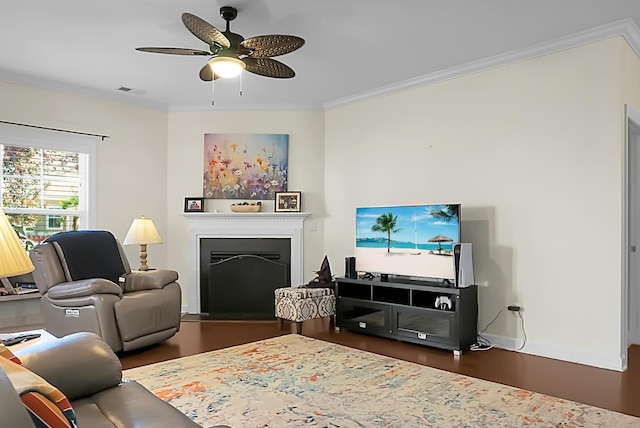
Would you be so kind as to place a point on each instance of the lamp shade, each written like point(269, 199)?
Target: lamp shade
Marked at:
point(13, 257)
point(142, 232)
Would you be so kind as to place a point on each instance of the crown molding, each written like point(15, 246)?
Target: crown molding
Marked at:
point(252, 107)
point(625, 28)
point(631, 34)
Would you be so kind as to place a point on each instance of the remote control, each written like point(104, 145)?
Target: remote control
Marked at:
point(19, 338)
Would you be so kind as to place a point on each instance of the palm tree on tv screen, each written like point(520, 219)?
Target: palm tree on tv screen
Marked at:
point(447, 214)
point(386, 223)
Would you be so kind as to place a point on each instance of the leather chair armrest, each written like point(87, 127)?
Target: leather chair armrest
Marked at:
point(79, 364)
point(149, 279)
point(12, 411)
point(83, 288)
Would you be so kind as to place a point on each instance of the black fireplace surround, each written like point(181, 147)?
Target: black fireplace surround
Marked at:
point(238, 276)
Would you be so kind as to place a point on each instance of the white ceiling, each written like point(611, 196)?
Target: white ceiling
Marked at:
point(353, 47)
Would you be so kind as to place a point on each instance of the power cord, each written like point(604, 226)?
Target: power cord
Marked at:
point(484, 344)
point(481, 345)
point(524, 333)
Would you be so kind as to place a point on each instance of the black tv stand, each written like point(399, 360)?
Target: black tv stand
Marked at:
point(424, 312)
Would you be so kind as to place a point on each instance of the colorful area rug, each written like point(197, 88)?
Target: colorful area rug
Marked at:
point(296, 381)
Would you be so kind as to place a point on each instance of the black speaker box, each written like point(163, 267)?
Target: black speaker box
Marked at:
point(350, 267)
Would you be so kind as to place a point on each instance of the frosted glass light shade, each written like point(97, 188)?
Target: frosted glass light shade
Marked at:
point(13, 257)
point(226, 67)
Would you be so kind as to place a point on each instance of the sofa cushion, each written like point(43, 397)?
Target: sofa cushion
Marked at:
point(129, 405)
point(6, 353)
point(79, 364)
point(46, 405)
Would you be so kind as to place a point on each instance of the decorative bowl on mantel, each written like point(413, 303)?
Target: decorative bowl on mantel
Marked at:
point(246, 207)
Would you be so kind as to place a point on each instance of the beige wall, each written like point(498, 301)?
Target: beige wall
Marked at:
point(533, 152)
point(185, 170)
point(131, 170)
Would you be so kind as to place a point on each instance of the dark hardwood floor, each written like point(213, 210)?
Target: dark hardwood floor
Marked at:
point(598, 387)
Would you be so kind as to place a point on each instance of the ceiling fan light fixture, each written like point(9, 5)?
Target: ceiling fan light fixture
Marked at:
point(226, 67)
point(227, 49)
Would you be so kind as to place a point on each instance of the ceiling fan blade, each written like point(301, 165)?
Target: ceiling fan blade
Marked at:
point(268, 67)
point(204, 31)
point(272, 45)
point(174, 51)
point(206, 73)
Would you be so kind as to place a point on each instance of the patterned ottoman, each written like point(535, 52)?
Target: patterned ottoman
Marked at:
point(301, 304)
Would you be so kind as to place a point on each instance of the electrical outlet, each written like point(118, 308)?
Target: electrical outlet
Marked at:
point(514, 308)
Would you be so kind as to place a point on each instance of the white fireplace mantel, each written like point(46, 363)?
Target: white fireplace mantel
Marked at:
point(243, 225)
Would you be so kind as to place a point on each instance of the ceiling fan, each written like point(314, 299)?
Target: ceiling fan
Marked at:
point(231, 53)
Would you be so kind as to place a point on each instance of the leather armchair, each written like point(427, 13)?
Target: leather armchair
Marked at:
point(87, 284)
point(89, 374)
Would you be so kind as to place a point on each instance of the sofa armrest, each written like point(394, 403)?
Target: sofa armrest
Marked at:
point(12, 410)
point(83, 288)
point(149, 279)
point(79, 364)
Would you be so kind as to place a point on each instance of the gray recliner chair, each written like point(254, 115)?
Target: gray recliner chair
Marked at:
point(89, 374)
point(87, 284)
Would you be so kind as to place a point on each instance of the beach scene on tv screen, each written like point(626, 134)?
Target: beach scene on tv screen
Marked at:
point(404, 240)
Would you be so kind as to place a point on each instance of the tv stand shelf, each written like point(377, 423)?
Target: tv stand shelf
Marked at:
point(421, 312)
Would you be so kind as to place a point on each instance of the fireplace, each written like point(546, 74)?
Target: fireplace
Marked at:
point(284, 227)
point(238, 276)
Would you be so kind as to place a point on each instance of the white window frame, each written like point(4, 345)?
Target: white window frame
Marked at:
point(15, 135)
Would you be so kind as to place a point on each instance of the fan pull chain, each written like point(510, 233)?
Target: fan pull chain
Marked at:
point(241, 84)
point(213, 93)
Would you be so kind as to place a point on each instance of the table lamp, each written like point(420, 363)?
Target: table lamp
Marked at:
point(142, 232)
point(13, 257)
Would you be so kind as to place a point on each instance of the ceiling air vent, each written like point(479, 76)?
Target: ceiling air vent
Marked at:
point(132, 90)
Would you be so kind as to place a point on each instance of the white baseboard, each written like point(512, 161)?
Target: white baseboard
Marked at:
point(565, 354)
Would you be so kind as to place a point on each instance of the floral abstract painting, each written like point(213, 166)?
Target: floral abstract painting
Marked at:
point(245, 166)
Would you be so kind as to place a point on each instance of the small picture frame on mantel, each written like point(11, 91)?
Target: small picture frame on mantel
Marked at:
point(288, 201)
point(193, 205)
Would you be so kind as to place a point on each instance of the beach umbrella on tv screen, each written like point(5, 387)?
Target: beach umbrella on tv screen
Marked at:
point(439, 239)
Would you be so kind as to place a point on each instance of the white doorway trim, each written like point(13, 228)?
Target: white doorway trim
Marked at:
point(630, 332)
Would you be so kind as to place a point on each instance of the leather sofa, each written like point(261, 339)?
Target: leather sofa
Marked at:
point(85, 369)
point(87, 284)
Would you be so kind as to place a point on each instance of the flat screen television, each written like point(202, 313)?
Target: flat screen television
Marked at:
point(407, 240)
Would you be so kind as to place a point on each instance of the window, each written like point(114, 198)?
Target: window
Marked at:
point(46, 182)
point(55, 222)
